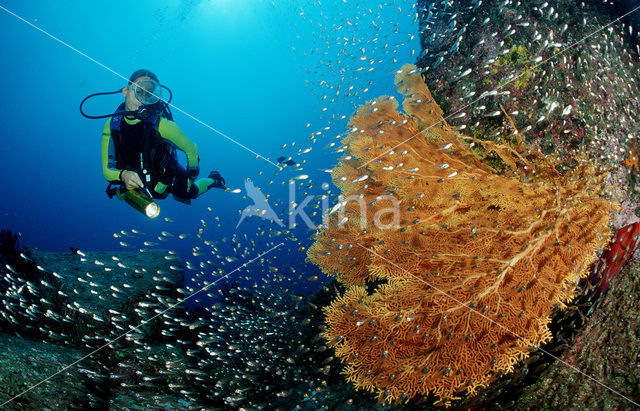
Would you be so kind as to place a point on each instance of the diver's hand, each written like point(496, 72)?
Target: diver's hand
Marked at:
point(131, 179)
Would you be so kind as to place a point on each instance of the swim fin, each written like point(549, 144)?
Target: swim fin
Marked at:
point(218, 181)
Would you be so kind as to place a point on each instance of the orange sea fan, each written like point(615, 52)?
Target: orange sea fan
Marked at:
point(470, 263)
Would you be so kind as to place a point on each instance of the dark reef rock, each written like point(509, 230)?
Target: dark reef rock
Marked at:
point(100, 280)
point(607, 349)
point(25, 362)
point(254, 347)
point(121, 310)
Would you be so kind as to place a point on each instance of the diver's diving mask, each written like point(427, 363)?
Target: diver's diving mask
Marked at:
point(147, 91)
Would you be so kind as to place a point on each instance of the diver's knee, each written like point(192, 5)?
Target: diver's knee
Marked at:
point(194, 192)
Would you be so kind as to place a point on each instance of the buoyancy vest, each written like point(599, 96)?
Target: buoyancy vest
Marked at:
point(140, 147)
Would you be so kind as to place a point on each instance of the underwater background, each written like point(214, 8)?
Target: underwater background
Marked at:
point(252, 81)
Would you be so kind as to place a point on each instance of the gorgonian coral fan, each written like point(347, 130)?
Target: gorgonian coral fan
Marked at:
point(478, 257)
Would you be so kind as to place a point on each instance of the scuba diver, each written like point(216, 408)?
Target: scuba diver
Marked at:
point(139, 149)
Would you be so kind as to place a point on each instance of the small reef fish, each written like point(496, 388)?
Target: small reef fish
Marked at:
point(287, 161)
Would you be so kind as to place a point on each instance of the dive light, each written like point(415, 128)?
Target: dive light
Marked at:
point(139, 201)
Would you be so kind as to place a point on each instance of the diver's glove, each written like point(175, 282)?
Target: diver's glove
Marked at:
point(218, 181)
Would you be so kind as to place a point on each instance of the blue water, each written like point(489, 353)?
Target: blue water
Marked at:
point(256, 71)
